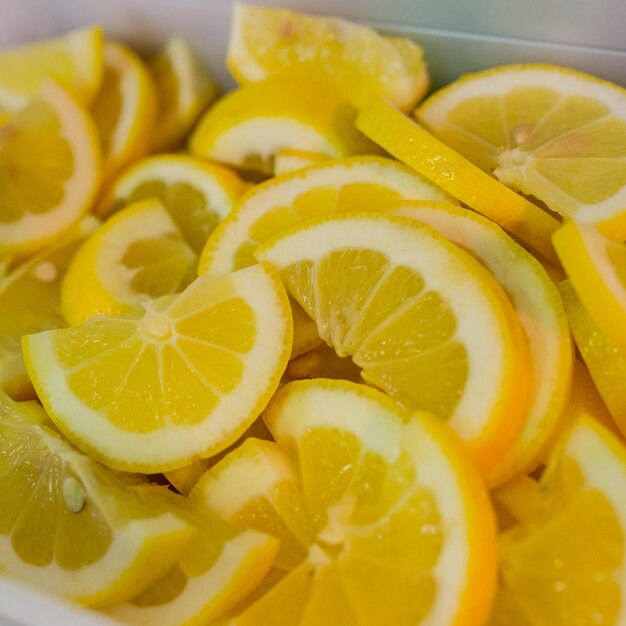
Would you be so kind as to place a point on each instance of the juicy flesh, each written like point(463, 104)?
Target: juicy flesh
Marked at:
point(178, 360)
point(35, 163)
point(365, 314)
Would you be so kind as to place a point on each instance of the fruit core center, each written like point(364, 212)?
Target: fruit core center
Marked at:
point(156, 325)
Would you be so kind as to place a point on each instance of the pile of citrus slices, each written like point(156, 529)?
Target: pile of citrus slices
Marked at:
point(305, 354)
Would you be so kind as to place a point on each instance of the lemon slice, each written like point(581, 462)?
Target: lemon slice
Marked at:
point(49, 170)
point(565, 563)
point(352, 184)
point(540, 311)
point(596, 268)
point(388, 521)
point(248, 126)
point(179, 380)
point(410, 143)
point(71, 526)
point(366, 183)
point(184, 89)
point(288, 160)
point(124, 108)
point(136, 255)
point(607, 366)
point(422, 318)
point(544, 130)
point(30, 299)
point(217, 569)
point(74, 60)
point(196, 194)
point(265, 41)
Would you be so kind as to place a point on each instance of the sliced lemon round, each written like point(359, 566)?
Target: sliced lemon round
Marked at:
point(409, 142)
point(124, 108)
point(266, 41)
point(179, 380)
point(74, 528)
point(248, 126)
point(422, 318)
point(196, 194)
point(217, 569)
point(49, 170)
point(607, 366)
point(30, 301)
point(348, 185)
point(540, 311)
point(382, 518)
point(138, 254)
point(183, 88)
point(75, 60)
point(596, 268)
point(565, 563)
point(544, 130)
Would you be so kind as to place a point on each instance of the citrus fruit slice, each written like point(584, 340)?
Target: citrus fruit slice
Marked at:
point(565, 563)
point(349, 185)
point(71, 526)
point(607, 366)
point(409, 142)
point(75, 60)
point(49, 170)
point(183, 88)
point(596, 268)
point(30, 301)
point(217, 569)
point(124, 108)
point(196, 194)
point(265, 41)
point(248, 126)
point(136, 255)
point(421, 317)
point(179, 380)
point(288, 160)
point(544, 130)
point(366, 183)
point(391, 520)
point(540, 311)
